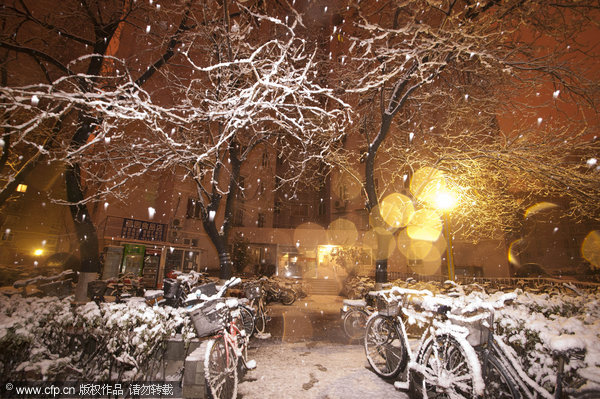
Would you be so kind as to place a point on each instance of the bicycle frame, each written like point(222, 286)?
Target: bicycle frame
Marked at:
point(436, 327)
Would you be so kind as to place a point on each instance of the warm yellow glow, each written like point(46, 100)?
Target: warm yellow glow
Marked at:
point(325, 251)
point(425, 225)
point(396, 210)
point(309, 235)
point(342, 232)
point(513, 252)
point(38, 252)
point(540, 206)
point(21, 188)
point(590, 248)
point(445, 200)
point(426, 183)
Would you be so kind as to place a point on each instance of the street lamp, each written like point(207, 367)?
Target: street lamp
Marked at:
point(445, 200)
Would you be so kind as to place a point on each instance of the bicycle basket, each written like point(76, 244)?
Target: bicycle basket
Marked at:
point(170, 288)
point(387, 307)
point(478, 330)
point(209, 317)
point(208, 289)
point(252, 291)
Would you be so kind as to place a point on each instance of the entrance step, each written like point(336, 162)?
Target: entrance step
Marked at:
point(323, 286)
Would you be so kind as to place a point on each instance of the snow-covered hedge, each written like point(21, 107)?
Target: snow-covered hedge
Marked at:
point(538, 322)
point(48, 338)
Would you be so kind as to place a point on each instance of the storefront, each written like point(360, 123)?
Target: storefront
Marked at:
point(152, 263)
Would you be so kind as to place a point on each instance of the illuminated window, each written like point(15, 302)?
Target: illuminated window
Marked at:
point(22, 188)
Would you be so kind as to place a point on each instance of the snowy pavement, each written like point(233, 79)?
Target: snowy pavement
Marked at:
point(309, 357)
point(311, 369)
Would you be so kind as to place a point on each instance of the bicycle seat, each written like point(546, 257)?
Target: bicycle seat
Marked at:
point(567, 345)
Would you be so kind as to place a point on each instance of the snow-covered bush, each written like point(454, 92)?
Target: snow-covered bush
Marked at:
point(48, 338)
point(534, 324)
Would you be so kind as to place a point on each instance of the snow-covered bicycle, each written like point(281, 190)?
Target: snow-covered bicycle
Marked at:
point(225, 355)
point(505, 378)
point(355, 314)
point(444, 363)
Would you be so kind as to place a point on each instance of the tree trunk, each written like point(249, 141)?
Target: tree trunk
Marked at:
point(85, 231)
point(383, 239)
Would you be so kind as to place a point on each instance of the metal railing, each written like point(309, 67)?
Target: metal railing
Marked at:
point(504, 281)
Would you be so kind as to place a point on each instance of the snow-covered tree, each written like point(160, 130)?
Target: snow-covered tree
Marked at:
point(496, 97)
point(246, 76)
point(61, 81)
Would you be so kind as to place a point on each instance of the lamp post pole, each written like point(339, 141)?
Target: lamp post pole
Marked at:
point(449, 250)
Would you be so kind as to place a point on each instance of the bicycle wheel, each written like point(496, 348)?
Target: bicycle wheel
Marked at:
point(354, 324)
point(385, 346)
point(498, 383)
point(287, 297)
point(260, 322)
point(247, 316)
point(447, 371)
point(220, 370)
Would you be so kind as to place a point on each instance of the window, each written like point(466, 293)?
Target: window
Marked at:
point(261, 220)
point(322, 208)
point(265, 159)
point(7, 235)
point(277, 207)
point(193, 208)
point(238, 218)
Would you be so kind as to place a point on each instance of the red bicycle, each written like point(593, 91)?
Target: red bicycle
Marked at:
point(226, 350)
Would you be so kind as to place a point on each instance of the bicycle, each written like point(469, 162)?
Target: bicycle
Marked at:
point(274, 292)
point(355, 313)
point(256, 296)
point(225, 358)
point(505, 378)
point(444, 364)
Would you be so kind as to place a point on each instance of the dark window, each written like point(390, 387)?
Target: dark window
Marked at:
point(238, 219)
point(265, 159)
point(261, 220)
point(193, 208)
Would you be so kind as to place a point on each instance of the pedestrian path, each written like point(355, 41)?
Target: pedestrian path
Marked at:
point(316, 317)
point(308, 356)
point(312, 370)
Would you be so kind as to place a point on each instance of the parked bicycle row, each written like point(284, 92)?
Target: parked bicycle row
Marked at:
point(442, 345)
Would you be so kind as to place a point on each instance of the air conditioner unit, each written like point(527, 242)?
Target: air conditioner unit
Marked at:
point(175, 236)
point(176, 223)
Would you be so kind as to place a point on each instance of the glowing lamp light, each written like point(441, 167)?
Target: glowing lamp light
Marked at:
point(38, 252)
point(445, 200)
point(21, 188)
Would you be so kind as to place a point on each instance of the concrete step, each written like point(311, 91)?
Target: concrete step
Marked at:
point(323, 286)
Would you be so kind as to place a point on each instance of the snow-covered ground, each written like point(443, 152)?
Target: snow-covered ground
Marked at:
point(303, 370)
